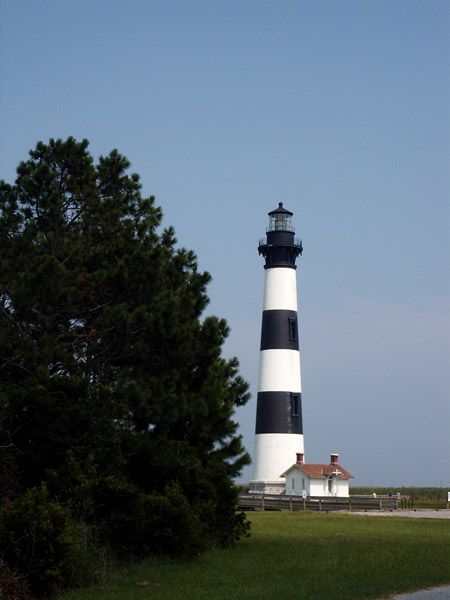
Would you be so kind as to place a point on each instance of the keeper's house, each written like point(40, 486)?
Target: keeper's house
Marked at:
point(317, 480)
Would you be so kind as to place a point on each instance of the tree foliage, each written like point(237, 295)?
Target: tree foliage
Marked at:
point(113, 389)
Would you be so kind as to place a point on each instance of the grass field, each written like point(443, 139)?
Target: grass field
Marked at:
point(297, 556)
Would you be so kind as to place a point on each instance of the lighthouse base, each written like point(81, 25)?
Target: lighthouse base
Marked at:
point(274, 454)
point(258, 486)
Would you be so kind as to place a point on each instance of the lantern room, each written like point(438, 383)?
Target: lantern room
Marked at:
point(280, 249)
point(280, 219)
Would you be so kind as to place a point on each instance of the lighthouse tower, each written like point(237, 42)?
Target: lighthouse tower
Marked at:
point(279, 428)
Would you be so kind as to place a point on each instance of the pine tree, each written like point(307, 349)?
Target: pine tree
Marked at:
point(113, 388)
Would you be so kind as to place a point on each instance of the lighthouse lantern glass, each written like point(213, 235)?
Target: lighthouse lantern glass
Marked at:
point(280, 222)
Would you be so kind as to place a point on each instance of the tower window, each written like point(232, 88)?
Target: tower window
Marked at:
point(293, 329)
point(294, 405)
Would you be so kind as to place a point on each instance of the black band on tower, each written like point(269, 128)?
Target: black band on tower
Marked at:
point(279, 412)
point(279, 330)
point(280, 249)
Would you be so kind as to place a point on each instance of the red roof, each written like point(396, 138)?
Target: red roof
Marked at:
point(320, 471)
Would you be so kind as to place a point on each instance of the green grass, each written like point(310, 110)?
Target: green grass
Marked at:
point(297, 556)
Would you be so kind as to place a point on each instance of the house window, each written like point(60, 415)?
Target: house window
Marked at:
point(293, 483)
point(330, 483)
point(293, 329)
point(294, 404)
point(303, 484)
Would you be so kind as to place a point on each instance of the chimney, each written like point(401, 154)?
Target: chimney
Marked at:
point(334, 459)
point(300, 456)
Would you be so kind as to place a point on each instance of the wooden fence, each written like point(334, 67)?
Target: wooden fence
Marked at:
point(281, 502)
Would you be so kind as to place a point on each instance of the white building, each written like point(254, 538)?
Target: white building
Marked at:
point(317, 480)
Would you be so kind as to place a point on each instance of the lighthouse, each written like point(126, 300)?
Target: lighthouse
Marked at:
point(279, 428)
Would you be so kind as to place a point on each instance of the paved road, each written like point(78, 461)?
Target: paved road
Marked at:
point(438, 593)
point(420, 513)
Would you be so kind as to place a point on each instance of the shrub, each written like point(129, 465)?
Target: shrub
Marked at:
point(136, 523)
point(40, 539)
point(11, 586)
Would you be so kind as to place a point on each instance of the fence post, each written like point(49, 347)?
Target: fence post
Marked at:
point(381, 504)
point(320, 504)
point(290, 504)
point(349, 504)
point(262, 502)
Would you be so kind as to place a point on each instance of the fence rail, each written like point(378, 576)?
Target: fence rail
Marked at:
point(282, 502)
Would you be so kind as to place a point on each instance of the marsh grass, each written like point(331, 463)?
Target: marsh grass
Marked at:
point(297, 556)
point(417, 493)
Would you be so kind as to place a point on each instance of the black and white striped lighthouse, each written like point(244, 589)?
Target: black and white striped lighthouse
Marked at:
point(279, 429)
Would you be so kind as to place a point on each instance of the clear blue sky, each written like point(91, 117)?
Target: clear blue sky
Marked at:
point(338, 109)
